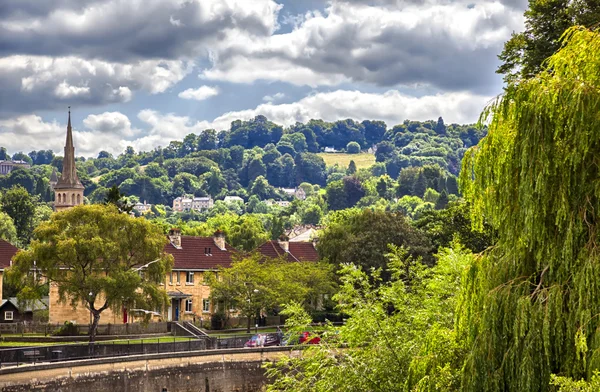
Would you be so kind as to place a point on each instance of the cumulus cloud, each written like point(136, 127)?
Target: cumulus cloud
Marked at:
point(30, 132)
point(62, 52)
point(199, 94)
point(118, 30)
point(112, 131)
point(114, 123)
point(393, 107)
point(274, 97)
point(449, 45)
point(32, 83)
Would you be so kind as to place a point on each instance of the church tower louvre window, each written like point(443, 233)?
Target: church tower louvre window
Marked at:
point(68, 183)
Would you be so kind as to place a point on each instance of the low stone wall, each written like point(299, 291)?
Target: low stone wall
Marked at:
point(214, 371)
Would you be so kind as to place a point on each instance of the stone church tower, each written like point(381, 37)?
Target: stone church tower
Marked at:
point(68, 191)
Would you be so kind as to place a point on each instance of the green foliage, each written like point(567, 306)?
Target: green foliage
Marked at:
point(362, 237)
point(566, 384)
point(93, 254)
point(67, 329)
point(353, 148)
point(545, 21)
point(8, 231)
point(398, 336)
point(443, 226)
point(117, 199)
point(531, 304)
point(254, 283)
point(20, 206)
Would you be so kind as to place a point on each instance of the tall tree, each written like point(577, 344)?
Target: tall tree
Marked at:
point(20, 206)
point(545, 21)
point(118, 199)
point(532, 304)
point(362, 238)
point(253, 284)
point(94, 254)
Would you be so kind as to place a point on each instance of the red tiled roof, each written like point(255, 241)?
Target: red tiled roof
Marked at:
point(304, 251)
point(299, 251)
point(192, 254)
point(7, 251)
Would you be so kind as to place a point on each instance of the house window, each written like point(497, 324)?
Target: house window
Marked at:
point(189, 277)
point(206, 305)
point(175, 276)
point(8, 316)
point(188, 306)
point(171, 278)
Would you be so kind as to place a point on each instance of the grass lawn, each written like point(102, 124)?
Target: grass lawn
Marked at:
point(362, 160)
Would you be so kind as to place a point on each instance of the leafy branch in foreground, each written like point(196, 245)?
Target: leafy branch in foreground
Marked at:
point(398, 336)
point(531, 305)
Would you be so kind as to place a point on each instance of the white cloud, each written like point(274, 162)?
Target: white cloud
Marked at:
point(274, 97)
point(199, 94)
point(450, 45)
point(112, 131)
point(38, 82)
point(114, 123)
point(64, 90)
point(392, 107)
point(29, 132)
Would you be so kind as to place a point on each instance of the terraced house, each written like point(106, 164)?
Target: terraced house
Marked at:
point(195, 258)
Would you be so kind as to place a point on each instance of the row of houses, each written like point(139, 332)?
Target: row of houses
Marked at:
point(184, 204)
point(194, 258)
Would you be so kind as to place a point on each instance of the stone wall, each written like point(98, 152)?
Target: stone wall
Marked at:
point(217, 371)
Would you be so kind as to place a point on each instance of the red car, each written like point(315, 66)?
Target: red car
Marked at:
point(306, 338)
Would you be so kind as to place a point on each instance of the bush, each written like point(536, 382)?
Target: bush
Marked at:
point(68, 329)
point(353, 148)
point(217, 321)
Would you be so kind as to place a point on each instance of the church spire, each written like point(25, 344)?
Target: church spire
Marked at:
point(69, 178)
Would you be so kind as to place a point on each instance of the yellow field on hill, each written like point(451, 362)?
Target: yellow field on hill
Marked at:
point(362, 160)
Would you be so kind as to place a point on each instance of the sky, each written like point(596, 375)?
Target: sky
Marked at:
point(144, 72)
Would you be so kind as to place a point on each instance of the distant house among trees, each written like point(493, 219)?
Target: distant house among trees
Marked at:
point(233, 199)
point(8, 166)
point(182, 204)
point(292, 251)
point(14, 311)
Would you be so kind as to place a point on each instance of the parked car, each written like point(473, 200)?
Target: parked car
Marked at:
point(271, 339)
point(304, 338)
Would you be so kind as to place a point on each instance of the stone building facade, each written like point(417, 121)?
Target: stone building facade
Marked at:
point(195, 258)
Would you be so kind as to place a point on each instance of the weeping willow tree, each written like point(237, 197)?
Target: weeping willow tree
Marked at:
point(531, 305)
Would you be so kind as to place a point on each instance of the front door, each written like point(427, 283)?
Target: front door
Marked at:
point(176, 310)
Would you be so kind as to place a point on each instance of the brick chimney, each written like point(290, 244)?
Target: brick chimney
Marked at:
point(175, 238)
point(284, 243)
point(219, 239)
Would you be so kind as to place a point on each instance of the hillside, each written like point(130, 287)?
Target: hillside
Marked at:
point(362, 160)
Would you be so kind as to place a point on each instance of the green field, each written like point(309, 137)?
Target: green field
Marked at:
point(362, 160)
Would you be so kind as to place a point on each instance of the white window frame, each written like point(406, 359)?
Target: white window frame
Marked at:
point(189, 304)
point(6, 315)
point(189, 277)
point(206, 305)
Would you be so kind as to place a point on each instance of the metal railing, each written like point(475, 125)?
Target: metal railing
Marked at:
point(18, 356)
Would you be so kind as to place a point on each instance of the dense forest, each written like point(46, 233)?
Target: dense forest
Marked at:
point(414, 170)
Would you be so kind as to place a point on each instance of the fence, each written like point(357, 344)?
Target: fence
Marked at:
point(64, 352)
point(103, 329)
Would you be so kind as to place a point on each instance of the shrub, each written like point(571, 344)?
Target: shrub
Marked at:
point(353, 148)
point(67, 329)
